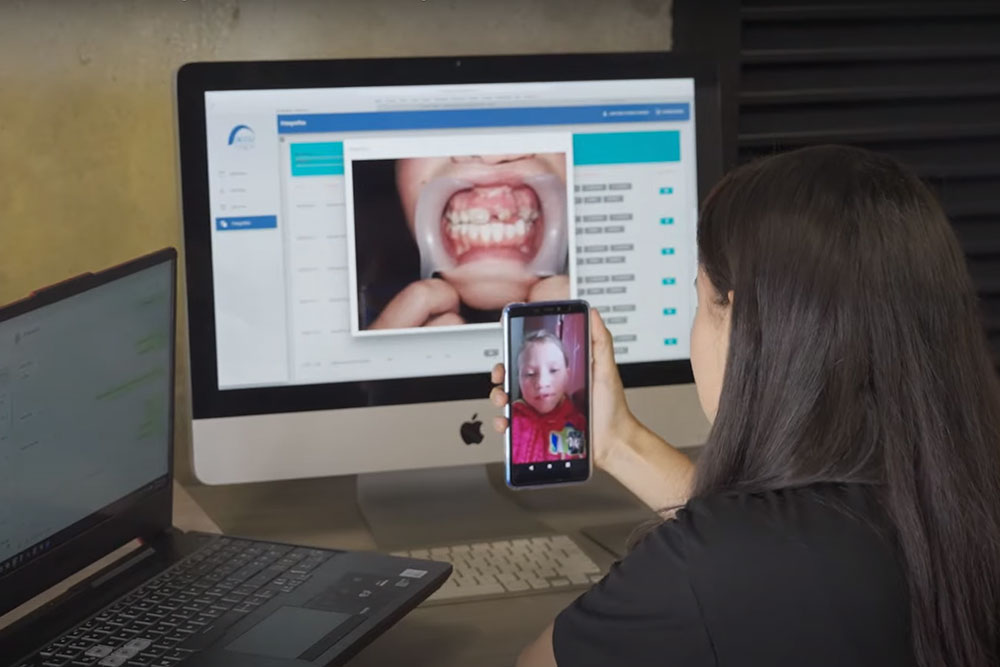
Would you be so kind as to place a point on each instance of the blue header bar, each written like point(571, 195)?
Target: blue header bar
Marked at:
point(465, 118)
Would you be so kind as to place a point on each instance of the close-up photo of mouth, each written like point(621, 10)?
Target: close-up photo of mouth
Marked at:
point(493, 216)
point(499, 221)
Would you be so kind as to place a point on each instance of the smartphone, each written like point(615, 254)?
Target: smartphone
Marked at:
point(547, 357)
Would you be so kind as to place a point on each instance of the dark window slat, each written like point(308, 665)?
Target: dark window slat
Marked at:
point(979, 236)
point(960, 157)
point(769, 11)
point(916, 131)
point(969, 198)
point(928, 32)
point(872, 93)
point(870, 53)
point(991, 314)
point(864, 115)
point(858, 77)
point(986, 276)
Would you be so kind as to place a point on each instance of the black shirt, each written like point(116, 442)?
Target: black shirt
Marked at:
point(798, 577)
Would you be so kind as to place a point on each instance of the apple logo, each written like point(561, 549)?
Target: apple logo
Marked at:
point(472, 431)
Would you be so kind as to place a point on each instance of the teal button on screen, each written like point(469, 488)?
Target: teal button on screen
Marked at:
point(626, 147)
point(670, 341)
point(669, 281)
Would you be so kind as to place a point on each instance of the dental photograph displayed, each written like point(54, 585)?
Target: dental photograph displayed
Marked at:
point(449, 230)
point(549, 394)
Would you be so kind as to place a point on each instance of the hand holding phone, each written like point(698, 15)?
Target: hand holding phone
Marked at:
point(547, 357)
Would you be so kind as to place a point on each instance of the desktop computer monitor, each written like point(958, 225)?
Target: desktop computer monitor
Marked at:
point(352, 229)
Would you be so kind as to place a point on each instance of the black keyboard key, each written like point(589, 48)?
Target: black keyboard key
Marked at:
point(177, 654)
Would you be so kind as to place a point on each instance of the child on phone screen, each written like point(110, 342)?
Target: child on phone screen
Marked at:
point(545, 423)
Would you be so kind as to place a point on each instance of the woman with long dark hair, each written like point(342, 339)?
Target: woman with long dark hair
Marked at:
point(846, 507)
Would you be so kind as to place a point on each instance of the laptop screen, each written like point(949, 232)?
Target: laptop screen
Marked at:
point(85, 409)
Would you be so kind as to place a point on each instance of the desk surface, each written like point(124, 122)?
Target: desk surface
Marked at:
point(323, 512)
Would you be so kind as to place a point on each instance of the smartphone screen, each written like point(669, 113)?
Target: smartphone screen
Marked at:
point(548, 385)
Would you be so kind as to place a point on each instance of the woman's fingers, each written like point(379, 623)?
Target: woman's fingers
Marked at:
point(497, 374)
point(499, 424)
point(498, 397)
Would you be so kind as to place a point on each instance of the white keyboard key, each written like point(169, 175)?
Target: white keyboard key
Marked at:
point(559, 582)
point(538, 583)
point(517, 586)
point(577, 578)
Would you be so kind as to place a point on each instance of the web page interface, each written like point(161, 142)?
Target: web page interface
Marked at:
point(84, 407)
point(376, 232)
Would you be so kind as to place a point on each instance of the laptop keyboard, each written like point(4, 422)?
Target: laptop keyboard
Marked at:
point(186, 608)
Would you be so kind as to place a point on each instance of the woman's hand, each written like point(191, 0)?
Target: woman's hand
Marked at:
point(611, 422)
point(425, 303)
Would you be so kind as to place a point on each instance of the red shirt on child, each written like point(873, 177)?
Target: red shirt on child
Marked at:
point(532, 432)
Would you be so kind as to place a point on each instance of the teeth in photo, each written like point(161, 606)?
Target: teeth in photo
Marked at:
point(480, 216)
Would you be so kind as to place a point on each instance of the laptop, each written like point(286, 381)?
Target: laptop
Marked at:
point(86, 437)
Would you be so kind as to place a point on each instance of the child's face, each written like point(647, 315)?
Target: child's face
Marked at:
point(543, 376)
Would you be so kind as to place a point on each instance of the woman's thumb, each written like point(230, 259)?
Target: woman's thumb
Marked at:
point(600, 337)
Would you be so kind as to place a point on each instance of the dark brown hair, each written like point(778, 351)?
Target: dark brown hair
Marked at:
point(857, 354)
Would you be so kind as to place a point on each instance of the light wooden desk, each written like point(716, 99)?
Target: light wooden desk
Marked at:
point(322, 512)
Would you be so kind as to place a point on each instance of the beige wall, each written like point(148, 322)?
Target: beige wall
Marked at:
point(87, 155)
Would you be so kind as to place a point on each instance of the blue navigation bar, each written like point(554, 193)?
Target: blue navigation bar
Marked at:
point(464, 118)
point(246, 222)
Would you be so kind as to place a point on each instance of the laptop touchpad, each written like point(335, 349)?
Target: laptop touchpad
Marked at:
point(288, 632)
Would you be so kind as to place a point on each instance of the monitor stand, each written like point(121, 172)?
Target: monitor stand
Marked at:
point(439, 506)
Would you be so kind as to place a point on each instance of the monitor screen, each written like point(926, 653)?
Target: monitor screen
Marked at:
point(85, 408)
point(375, 232)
